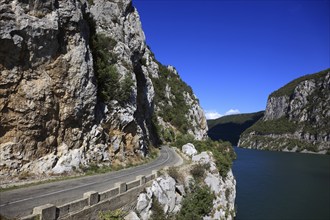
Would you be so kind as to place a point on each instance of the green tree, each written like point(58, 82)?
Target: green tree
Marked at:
point(107, 76)
point(197, 204)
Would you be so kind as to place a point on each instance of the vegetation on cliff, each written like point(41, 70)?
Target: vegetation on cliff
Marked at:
point(296, 118)
point(277, 126)
point(288, 89)
point(223, 152)
point(197, 204)
point(200, 190)
point(169, 88)
point(110, 86)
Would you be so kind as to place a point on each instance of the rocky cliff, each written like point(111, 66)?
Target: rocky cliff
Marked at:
point(79, 86)
point(194, 190)
point(297, 117)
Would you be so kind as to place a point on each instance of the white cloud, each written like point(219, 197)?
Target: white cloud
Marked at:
point(232, 112)
point(212, 114)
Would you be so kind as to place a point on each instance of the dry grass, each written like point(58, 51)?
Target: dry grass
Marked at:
point(176, 174)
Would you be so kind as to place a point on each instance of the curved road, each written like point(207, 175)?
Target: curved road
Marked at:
point(20, 202)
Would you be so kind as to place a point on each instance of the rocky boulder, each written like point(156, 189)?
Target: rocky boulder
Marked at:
point(132, 216)
point(168, 194)
point(205, 158)
point(189, 149)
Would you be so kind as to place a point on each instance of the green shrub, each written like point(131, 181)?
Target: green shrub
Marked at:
point(143, 61)
point(174, 173)
point(227, 193)
point(117, 214)
point(107, 76)
point(197, 204)
point(157, 211)
point(223, 152)
point(276, 126)
point(168, 135)
point(183, 139)
point(124, 93)
point(156, 126)
point(223, 163)
point(198, 172)
point(94, 169)
point(177, 113)
point(108, 82)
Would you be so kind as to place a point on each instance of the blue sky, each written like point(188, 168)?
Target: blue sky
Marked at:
point(235, 53)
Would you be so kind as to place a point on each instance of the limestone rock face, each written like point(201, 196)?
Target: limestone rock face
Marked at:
point(297, 117)
point(198, 126)
point(189, 149)
point(165, 190)
point(170, 194)
point(53, 118)
point(47, 88)
point(276, 107)
point(132, 216)
point(224, 188)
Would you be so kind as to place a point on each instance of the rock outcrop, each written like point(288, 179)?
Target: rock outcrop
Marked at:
point(189, 149)
point(166, 192)
point(297, 117)
point(79, 86)
point(224, 188)
point(169, 193)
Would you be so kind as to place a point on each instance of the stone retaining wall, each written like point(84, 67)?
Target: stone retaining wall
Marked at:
point(93, 202)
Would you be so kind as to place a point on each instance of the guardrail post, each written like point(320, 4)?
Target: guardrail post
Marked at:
point(155, 172)
point(46, 212)
point(122, 187)
point(92, 196)
point(142, 179)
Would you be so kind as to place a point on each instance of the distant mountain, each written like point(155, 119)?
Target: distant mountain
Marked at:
point(230, 127)
point(297, 117)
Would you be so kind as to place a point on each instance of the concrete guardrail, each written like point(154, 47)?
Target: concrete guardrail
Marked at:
point(93, 202)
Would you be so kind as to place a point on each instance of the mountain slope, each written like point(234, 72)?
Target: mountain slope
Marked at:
point(79, 87)
point(297, 117)
point(230, 127)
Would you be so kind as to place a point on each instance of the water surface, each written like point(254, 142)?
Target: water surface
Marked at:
point(280, 185)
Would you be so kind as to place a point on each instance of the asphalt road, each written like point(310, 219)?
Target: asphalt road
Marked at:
point(20, 202)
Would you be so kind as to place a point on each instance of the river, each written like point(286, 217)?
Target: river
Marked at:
point(281, 185)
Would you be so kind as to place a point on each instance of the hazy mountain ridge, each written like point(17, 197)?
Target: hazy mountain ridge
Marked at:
point(84, 88)
point(230, 127)
point(297, 117)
